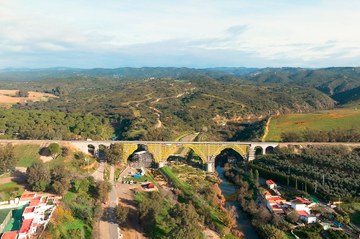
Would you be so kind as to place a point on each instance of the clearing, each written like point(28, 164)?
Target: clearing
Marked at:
point(344, 118)
point(8, 97)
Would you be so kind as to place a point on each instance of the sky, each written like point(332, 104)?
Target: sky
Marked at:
point(180, 33)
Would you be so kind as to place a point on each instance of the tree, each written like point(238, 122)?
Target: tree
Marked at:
point(121, 214)
point(22, 93)
point(102, 189)
point(256, 177)
point(38, 176)
point(346, 220)
point(268, 231)
point(292, 217)
point(113, 154)
point(54, 149)
point(185, 222)
point(7, 159)
point(60, 180)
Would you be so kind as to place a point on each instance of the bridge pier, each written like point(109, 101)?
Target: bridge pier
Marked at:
point(210, 164)
point(161, 164)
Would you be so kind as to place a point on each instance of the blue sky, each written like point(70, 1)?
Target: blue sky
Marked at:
point(191, 33)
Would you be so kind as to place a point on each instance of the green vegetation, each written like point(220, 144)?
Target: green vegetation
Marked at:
point(222, 104)
point(334, 169)
point(7, 159)
point(113, 154)
point(41, 124)
point(26, 154)
point(353, 210)
point(10, 190)
point(339, 119)
point(161, 218)
point(203, 192)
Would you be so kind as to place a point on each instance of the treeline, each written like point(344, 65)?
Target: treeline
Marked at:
point(82, 198)
point(332, 171)
point(310, 135)
point(41, 124)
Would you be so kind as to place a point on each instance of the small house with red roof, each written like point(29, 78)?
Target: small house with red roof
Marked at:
point(27, 196)
point(27, 228)
point(271, 184)
point(307, 217)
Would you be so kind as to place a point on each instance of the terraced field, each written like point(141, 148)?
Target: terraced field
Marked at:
point(345, 118)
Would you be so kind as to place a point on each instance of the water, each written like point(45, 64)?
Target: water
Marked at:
point(244, 223)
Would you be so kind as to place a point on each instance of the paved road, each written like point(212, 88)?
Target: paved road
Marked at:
point(108, 225)
point(113, 226)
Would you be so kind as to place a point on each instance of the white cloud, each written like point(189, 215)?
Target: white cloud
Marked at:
point(228, 32)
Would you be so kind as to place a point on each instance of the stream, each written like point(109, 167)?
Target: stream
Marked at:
point(244, 223)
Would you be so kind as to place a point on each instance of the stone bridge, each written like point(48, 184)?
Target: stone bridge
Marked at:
point(162, 150)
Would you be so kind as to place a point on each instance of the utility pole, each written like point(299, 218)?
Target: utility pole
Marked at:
point(323, 180)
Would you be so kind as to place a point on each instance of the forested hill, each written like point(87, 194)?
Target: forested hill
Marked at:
point(341, 83)
point(165, 103)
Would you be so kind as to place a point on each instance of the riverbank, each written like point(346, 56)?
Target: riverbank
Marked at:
point(243, 222)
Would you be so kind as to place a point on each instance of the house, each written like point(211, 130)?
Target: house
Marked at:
point(27, 197)
point(271, 184)
point(35, 202)
point(10, 235)
point(306, 217)
point(300, 206)
point(27, 228)
point(275, 204)
point(29, 213)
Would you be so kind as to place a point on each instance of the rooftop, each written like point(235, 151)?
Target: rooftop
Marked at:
point(35, 201)
point(25, 227)
point(302, 213)
point(29, 209)
point(9, 235)
point(27, 196)
point(270, 181)
point(275, 198)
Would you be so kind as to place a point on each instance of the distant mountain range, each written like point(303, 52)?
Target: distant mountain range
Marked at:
point(341, 83)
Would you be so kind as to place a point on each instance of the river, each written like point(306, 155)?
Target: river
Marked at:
point(244, 223)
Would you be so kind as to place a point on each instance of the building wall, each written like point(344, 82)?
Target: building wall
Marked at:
point(6, 221)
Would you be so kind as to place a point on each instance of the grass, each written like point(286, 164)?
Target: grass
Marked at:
point(322, 120)
point(106, 175)
point(184, 187)
point(26, 154)
point(353, 209)
point(10, 190)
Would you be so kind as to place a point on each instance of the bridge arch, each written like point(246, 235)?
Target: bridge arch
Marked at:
point(269, 150)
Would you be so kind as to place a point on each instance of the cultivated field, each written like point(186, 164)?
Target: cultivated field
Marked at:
point(323, 120)
point(8, 97)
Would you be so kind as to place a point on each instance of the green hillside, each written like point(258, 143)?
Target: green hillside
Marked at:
point(346, 118)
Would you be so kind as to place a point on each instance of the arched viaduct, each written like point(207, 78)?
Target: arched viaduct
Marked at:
point(161, 151)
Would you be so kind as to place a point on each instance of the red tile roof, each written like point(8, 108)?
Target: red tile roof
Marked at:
point(302, 213)
point(302, 200)
point(275, 198)
point(25, 227)
point(27, 196)
point(9, 235)
point(270, 181)
point(29, 209)
point(35, 201)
